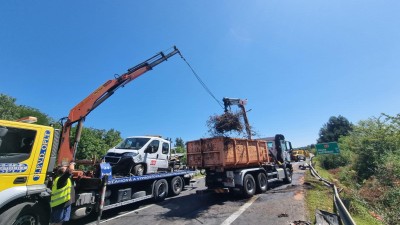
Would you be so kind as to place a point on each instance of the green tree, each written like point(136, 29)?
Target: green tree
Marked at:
point(8, 108)
point(180, 148)
point(42, 119)
point(11, 111)
point(95, 142)
point(179, 142)
point(374, 142)
point(334, 129)
point(112, 137)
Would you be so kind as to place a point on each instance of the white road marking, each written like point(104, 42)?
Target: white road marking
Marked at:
point(137, 210)
point(236, 214)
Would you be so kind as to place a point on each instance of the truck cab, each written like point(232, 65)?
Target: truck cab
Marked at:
point(279, 147)
point(25, 162)
point(139, 155)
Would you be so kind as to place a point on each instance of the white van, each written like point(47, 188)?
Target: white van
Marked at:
point(139, 155)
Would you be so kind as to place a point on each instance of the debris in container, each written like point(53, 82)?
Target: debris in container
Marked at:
point(220, 125)
point(231, 123)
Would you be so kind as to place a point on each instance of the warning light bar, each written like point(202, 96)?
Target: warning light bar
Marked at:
point(28, 119)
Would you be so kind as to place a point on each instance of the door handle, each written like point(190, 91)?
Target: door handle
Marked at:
point(20, 180)
point(157, 156)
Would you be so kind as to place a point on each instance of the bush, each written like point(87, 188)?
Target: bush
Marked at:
point(390, 206)
point(333, 161)
point(347, 176)
point(388, 172)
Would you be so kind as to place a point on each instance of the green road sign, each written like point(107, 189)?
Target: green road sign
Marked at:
point(327, 148)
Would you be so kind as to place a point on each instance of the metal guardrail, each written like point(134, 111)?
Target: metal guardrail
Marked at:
point(341, 209)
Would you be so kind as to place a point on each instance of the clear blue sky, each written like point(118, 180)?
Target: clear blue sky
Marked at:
point(297, 62)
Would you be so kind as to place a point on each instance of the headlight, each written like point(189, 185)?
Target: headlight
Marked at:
point(137, 159)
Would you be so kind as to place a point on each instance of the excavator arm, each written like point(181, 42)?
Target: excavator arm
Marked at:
point(240, 103)
point(78, 114)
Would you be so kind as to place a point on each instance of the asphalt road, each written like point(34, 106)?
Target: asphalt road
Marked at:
point(281, 204)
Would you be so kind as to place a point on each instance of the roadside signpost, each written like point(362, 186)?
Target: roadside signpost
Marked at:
point(327, 148)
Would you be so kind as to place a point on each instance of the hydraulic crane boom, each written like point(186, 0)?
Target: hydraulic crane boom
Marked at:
point(240, 103)
point(78, 114)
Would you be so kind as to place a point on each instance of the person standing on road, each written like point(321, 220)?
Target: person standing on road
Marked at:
point(62, 195)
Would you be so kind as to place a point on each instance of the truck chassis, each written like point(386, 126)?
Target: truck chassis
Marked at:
point(247, 181)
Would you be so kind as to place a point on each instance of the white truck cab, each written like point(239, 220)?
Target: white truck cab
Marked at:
point(139, 155)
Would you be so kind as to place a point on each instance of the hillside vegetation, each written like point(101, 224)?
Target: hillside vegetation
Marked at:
point(368, 167)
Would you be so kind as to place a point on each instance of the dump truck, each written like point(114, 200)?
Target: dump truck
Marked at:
point(237, 165)
point(30, 153)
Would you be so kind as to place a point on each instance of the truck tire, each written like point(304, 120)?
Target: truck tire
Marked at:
point(160, 190)
point(249, 186)
point(138, 170)
point(262, 183)
point(25, 213)
point(176, 185)
point(288, 175)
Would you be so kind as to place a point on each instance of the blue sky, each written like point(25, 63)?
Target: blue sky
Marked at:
point(296, 62)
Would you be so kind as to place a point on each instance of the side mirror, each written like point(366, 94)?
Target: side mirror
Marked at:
point(149, 149)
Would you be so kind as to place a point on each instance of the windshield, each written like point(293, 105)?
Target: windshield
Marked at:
point(132, 143)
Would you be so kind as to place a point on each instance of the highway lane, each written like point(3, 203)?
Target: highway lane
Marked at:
point(281, 204)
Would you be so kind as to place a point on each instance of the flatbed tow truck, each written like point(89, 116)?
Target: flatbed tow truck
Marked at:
point(26, 176)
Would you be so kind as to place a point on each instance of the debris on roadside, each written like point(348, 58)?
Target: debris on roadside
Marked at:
point(300, 222)
point(283, 215)
point(324, 217)
point(304, 166)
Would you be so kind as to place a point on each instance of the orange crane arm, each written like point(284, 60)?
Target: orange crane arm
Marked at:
point(78, 114)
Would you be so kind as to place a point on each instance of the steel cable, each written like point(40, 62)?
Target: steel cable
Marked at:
point(200, 81)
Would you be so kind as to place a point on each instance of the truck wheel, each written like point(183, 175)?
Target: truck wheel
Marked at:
point(26, 213)
point(138, 170)
point(288, 175)
point(249, 186)
point(262, 183)
point(176, 185)
point(160, 190)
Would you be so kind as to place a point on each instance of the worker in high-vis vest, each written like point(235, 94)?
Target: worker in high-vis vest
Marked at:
point(62, 195)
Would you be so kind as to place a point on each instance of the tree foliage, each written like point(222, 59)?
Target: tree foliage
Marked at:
point(334, 129)
point(181, 148)
point(374, 145)
point(9, 110)
point(179, 142)
point(95, 142)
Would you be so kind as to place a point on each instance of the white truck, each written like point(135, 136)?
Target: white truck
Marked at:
point(139, 155)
